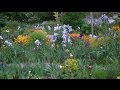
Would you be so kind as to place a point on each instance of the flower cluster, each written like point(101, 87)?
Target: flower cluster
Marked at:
point(37, 43)
point(74, 35)
point(47, 40)
point(38, 27)
point(85, 38)
point(116, 28)
point(8, 43)
point(21, 39)
point(98, 21)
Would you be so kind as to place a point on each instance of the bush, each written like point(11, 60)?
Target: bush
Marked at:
point(85, 28)
point(37, 35)
point(74, 19)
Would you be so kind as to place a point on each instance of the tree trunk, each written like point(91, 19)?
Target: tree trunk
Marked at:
point(91, 13)
point(61, 16)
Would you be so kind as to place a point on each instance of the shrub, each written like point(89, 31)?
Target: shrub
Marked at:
point(38, 35)
point(74, 19)
point(70, 68)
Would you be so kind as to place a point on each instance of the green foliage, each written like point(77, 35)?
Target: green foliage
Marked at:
point(25, 17)
point(108, 71)
point(74, 19)
point(99, 72)
point(85, 28)
point(37, 35)
point(31, 62)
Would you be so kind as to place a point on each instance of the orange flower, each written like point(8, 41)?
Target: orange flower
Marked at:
point(74, 35)
point(116, 28)
point(85, 38)
point(22, 39)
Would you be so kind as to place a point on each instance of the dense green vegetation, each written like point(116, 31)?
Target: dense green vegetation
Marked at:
point(47, 45)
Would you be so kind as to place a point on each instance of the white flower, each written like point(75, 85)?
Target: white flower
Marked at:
point(64, 45)
point(8, 43)
point(60, 27)
point(78, 27)
point(92, 36)
point(111, 21)
point(55, 34)
point(71, 55)
point(1, 37)
point(49, 28)
point(37, 42)
point(7, 31)
point(56, 28)
point(101, 47)
point(61, 66)
point(70, 28)
point(29, 72)
point(18, 27)
point(52, 45)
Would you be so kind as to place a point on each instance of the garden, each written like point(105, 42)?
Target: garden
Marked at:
point(59, 45)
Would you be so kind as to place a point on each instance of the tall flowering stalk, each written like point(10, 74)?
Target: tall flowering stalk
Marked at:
point(57, 18)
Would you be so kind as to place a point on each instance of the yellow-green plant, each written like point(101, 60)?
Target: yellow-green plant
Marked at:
point(69, 66)
point(57, 18)
point(38, 35)
point(99, 41)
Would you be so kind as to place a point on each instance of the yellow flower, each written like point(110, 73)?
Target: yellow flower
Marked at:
point(61, 66)
point(22, 39)
point(47, 40)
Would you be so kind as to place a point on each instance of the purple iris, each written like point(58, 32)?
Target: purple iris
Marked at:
point(81, 35)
